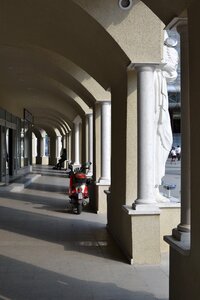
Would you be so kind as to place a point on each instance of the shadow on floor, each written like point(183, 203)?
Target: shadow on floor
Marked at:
point(75, 234)
point(19, 280)
point(49, 171)
point(49, 187)
point(60, 203)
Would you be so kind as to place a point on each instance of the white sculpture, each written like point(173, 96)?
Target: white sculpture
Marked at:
point(163, 137)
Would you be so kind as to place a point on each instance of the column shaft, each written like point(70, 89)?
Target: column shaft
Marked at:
point(69, 145)
point(77, 144)
point(90, 140)
point(105, 142)
point(64, 141)
point(58, 146)
point(34, 145)
point(146, 108)
point(185, 130)
point(42, 146)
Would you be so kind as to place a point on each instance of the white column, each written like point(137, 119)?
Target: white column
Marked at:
point(77, 143)
point(58, 146)
point(34, 145)
point(42, 146)
point(90, 141)
point(146, 109)
point(77, 121)
point(64, 141)
point(64, 146)
point(184, 226)
point(105, 142)
point(69, 145)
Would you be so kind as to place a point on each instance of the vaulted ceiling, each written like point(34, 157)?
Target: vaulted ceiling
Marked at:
point(57, 60)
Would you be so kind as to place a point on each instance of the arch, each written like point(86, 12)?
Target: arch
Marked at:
point(47, 26)
point(36, 131)
point(47, 86)
point(56, 118)
point(67, 124)
point(39, 99)
point(30, 63)
point(54, 123)
point(49, 130)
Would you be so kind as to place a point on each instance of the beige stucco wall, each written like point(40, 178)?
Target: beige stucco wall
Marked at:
point(97, 141)
point(146, 242)
point(169, 219)
point(140, 239)
point(7, 104)
point(45, 160)
point(116, 222)
point(138, 31)
point(52, 158)
point(33, 160)
point(101, 198)
point(131, 139)
point(125, 241)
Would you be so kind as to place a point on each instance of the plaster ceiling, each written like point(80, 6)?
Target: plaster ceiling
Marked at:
point(52, 61)
point(49, 57)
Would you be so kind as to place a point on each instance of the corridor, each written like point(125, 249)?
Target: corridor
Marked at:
point(46, 252)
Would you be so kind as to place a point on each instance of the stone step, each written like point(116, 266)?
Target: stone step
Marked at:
point(20, 183)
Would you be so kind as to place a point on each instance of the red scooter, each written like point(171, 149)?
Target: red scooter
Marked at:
point(78, 188)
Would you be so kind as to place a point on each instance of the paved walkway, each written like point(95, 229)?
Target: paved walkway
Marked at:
point(46, 252)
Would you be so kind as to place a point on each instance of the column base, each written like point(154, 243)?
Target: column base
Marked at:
point(180, 235)
point(183, 228)
point(144, 203)
point(179, 241)
point(42, 160)
point(145, 206)
point(103, 181)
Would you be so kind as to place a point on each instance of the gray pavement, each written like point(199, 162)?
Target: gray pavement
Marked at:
point(46, 252)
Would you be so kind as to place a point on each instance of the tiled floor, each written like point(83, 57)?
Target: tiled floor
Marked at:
point(46, 252)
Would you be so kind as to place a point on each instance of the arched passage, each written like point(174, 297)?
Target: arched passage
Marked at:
point(48, 25)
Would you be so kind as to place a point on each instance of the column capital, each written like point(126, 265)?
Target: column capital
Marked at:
point(89, 114)
point(77, 120)
point(184, 227)
point(148, 66)
point(104, 102)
